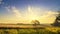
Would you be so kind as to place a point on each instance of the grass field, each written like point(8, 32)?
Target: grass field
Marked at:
point(46, 30)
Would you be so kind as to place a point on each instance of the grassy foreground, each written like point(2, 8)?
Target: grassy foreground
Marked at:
point(47, 30)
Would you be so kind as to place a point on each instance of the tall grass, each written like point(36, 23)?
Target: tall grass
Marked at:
point(47, 30)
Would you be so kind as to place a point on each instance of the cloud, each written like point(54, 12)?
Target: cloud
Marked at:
point(50, 13)
point(14, 11)
point(43, 15)
point(1, 1)
point(33, 12)
point(30, 13)
point(8, 8)
point(48, 17)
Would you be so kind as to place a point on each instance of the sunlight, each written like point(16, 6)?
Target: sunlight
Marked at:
point(32, 13)
point(29, 14)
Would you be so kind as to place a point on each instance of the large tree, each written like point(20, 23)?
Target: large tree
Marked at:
point(57, 20)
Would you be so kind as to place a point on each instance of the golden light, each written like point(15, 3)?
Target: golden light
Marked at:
point(31, 13)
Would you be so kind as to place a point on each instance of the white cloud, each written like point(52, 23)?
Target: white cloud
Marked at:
point(50, 13)
point(8, 8)
point(1, 1)
point(14, 11)
point(45, 16)
point(48, 17)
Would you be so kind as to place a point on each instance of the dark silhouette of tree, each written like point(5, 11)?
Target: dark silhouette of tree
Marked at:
point(57, 20)
point(35, 24)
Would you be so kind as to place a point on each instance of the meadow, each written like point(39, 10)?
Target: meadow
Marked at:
point(46, 30)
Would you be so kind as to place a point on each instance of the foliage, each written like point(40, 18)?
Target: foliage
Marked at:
point(57, 20)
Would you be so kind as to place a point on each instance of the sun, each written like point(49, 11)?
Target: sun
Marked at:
point(34, 18)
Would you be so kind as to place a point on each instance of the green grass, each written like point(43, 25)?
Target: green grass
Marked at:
point(47, 30)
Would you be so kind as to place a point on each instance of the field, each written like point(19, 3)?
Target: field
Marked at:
point(46, 30)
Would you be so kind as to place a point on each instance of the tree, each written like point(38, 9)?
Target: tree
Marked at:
point(35, 24)
point(57, 20)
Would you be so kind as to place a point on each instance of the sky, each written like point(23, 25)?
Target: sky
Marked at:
point(24, 11)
